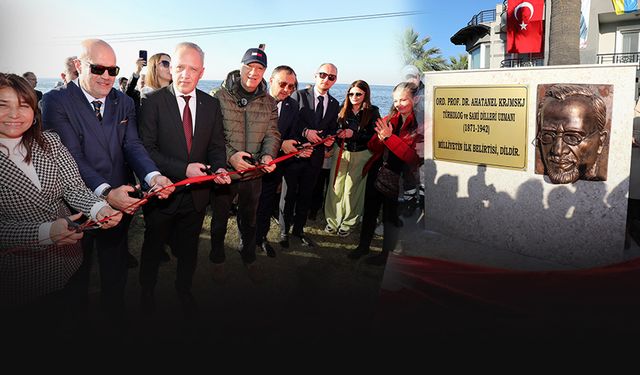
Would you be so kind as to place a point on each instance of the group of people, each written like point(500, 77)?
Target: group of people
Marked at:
point(101, 153)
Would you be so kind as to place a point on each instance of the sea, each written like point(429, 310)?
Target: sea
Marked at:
point(380, 94)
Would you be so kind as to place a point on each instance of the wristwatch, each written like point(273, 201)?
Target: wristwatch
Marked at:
point(105, 192)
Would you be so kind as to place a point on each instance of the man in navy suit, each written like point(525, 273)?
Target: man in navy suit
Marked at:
point(181, 127)
point(282, 84)
point(97, 123)
point(318, 115)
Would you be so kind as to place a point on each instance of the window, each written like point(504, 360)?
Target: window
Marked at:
point(628, 39)
point(474, 55)
point(480, 57)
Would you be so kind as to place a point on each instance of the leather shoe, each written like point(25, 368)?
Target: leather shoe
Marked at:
point(306, 241)
point(357, 253)
point(147, 302)
point(271, 253)
point(218, 273)
point(132, 262)
point(188, 302)
point(284, 241)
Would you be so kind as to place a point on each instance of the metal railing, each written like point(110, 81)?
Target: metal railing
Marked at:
point(532, 60)
point(618, 58)
point(485, 16)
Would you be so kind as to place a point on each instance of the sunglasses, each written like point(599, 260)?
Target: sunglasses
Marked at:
point(355, 94)
point(99, 69)
point(330, 77)
point(290, 86)
point(164, 63)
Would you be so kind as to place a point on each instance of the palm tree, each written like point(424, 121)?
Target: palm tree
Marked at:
point(414, 53)
point(564, 32)
point(460, 63)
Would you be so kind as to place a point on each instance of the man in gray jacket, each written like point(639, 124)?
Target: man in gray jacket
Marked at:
point(251, 138)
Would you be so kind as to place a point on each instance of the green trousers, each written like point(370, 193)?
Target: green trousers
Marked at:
point(345, 198)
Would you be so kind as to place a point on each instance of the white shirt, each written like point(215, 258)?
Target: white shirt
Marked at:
point(192, 106)
point(98, 191)
point(325, 101)
point(90, 98)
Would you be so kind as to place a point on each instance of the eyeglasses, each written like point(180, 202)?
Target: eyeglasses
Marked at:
point(330, 77)
point(358, 94)
point(99, 69)
point(164, 63)
point(570, 138)
point(290, 86)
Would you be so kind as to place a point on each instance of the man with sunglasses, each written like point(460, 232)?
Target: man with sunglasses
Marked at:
point(252, 140)
point(97, 123)
point(318, 114)
point(282, 84)
point(572, 134)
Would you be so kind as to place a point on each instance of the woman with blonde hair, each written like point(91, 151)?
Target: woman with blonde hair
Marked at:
point(394, 152)
point(158, 73)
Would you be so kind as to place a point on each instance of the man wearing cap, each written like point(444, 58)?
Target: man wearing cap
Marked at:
point(251, 136)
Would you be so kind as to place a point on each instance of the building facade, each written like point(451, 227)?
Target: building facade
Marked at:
point(610, 38)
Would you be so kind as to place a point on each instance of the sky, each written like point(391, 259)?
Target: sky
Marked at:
point(39, 35)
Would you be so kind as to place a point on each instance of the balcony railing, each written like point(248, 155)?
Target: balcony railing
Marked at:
point(532, 60)
point(618, 58)
point(485, 16)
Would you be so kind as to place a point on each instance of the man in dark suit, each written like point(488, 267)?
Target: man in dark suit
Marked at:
point(181, 127)
point(318, 114)
point(282, 84)
point(97, 123)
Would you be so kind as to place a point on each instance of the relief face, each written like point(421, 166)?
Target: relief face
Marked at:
point(573, 124)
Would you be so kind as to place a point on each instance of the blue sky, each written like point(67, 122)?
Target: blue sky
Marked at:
point(34, 34)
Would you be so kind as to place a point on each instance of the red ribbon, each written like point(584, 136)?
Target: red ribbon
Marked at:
point(186, 181)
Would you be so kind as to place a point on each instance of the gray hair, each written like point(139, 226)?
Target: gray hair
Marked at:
point(192, 46)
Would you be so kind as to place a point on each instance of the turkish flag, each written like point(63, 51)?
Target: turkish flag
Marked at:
point(524, 26)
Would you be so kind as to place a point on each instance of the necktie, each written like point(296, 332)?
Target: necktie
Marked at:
point(186, 122)
point(96, 108)
point(319, 109)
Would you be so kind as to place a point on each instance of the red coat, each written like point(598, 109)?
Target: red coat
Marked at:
point(402, 145)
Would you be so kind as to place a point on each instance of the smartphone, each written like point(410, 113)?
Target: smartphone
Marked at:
point(142, 54)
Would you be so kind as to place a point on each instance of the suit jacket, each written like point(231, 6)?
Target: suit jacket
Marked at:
point(288, 119)
point(34, 270)
point(163, 136)
point(307, 120)
point(106, 151)
point(288, 127)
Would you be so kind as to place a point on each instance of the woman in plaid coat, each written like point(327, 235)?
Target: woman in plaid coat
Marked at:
point(39, 181)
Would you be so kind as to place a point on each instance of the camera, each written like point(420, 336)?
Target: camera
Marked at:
point(242, 102)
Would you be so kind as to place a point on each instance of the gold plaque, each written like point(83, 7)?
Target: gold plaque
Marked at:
point(481, 125)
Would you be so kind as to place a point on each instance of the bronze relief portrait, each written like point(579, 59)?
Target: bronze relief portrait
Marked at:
point(572, 132)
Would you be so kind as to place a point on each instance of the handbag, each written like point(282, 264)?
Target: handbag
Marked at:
point(387, 181)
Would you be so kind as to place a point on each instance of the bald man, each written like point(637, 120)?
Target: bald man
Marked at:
point(98, 125)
